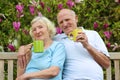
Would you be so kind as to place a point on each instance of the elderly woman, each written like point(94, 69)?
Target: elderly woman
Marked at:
point(46, 65)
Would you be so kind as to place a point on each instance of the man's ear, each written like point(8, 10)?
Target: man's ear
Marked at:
point(76, 18)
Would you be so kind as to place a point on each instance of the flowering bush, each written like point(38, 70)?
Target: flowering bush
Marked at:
point(100, 15)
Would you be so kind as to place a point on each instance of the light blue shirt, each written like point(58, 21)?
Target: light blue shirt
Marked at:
point(53, 56)
point(79, 64)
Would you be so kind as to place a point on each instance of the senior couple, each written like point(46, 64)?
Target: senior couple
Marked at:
point(62, 58)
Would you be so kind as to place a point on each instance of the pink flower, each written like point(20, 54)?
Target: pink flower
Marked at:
point(42, 5)
point(32, 9)
point(107, 34)
point(70, 3)
point(95, 25)
point(58, 30)
point(60, 6)
point(105, 25)
point(11, 47)
point(0, 19)
point(108, 45)
point(48, 9)
point(19, 8)
point(39, 14)
point(16, 26)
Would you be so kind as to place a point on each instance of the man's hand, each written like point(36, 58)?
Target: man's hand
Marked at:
point(82, 38)
point(24, 53)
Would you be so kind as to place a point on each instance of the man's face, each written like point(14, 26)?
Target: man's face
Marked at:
point(67, 21)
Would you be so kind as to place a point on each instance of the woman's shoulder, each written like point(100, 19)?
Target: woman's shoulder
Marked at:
point(56, 43)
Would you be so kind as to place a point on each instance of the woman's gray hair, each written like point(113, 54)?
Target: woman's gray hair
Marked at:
point(50, 25)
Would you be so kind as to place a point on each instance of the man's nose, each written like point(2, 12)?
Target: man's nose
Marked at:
point(64, 23)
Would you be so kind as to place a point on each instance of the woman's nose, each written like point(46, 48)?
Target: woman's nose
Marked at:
point(37, 30)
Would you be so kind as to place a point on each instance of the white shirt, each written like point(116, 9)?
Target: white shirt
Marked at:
point(79, 64)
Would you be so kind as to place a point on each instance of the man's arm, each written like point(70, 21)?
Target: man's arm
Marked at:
point(98, 56)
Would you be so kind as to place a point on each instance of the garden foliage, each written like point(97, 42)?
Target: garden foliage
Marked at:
point(100, 15)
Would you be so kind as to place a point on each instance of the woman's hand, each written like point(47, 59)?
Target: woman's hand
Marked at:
point(22, 77)
point(24, 54)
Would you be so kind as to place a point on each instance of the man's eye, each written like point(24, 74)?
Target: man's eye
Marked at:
point(67, 20)
point(61, 22)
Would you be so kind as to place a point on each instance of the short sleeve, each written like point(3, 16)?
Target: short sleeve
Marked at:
point(100, 45)
point(58, 56)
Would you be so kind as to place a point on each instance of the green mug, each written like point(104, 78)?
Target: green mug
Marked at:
point(38, 46)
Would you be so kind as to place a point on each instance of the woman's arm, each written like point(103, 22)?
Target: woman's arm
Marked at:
point(45, 74)
point(23, 50)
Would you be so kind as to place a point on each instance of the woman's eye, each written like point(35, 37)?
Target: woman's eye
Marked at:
point(33, 30)
point(40, 27)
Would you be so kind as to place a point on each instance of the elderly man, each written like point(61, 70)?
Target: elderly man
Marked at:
point(87, 55)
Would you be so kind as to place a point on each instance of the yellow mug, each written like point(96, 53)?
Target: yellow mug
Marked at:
point(72, 35)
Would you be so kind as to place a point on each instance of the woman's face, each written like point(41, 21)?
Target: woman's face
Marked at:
point(40, 31)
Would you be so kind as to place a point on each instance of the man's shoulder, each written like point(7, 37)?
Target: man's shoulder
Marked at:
point(91, 32)
point(59, 36)
point(56, 44)
point(87, 30)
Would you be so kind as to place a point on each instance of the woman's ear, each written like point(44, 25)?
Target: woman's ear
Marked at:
point(31, 34)
point(50, 33)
